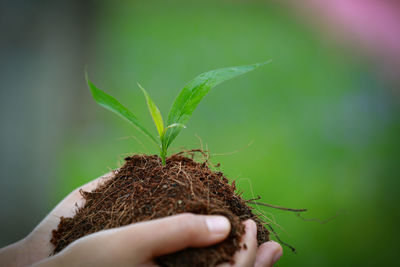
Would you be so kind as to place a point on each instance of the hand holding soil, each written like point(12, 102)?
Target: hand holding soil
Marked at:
point(134, 245)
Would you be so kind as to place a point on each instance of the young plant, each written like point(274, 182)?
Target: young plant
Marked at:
point(181, 109)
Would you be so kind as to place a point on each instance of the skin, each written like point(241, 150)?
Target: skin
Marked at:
point(133, 245)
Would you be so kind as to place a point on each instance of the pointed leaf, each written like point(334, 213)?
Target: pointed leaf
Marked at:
point(154, 112)
point(110, 103)
point(195, 91)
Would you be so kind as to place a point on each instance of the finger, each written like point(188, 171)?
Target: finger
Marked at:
point(247, 254)
point(171, 234)
point(268, 254)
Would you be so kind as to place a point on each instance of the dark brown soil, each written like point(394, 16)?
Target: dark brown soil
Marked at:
point(143, 189)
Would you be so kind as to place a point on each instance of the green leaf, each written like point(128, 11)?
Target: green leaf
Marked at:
point(110, 103)
point(154, 112)
point(175, 125)
point(195, 91)
point(180, 125)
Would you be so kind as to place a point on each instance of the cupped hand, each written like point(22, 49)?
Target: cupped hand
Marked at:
point(140, 243)
point(136, 244)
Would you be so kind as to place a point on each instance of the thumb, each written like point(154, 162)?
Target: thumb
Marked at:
point(171, 234)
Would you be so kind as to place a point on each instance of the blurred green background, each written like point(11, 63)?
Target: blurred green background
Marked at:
point(324, 129)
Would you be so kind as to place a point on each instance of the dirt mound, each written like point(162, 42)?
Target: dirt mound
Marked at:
point(143, 189)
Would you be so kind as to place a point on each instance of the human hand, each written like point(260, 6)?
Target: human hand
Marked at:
point(138, 244)
point(182, 230)
point(36, 246)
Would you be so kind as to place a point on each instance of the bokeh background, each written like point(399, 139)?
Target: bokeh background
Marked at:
point(322, 118)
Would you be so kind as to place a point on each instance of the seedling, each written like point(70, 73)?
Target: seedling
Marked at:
point(181, 110)
point(146, 188)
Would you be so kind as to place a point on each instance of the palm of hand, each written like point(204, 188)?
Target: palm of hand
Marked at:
point(38, 242)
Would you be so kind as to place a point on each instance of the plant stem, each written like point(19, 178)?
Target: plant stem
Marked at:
point(163, 155)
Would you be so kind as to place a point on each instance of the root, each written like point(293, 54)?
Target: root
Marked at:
point(254, 202)
point(297, 212)
point(276, 207)
point(235, 151)
point(319, 220)
point(280, 240)
point(192, 152)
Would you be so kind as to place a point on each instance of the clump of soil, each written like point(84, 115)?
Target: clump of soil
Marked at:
point(143, 189)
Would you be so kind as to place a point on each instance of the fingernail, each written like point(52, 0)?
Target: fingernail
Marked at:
point(218, 224)
point(251, 226)
point(277, 255)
